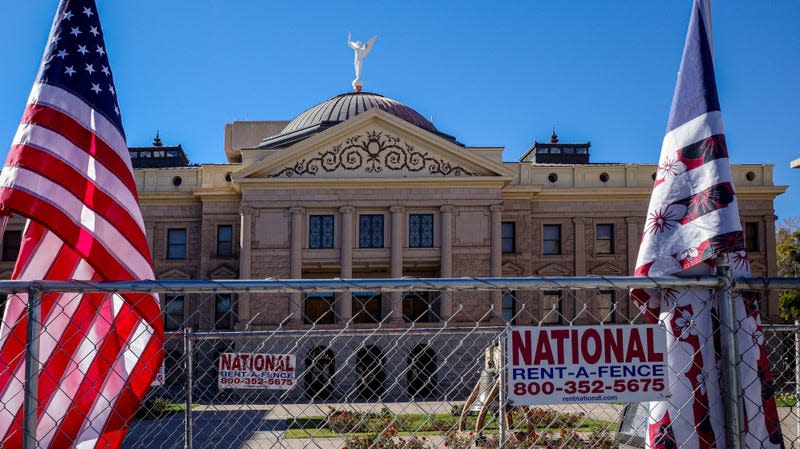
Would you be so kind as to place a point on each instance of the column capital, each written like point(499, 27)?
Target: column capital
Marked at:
point(496, 208)
point(245, 209)
point(397, 209)
point(634, 220)
point(580, 220)
point(447, 209)
point(769, 218)
point(347, 210)
point(296, 210)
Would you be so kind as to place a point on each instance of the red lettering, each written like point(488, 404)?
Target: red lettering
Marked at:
point(560, 336)
point(635, 349)
point(521, 347)
point(652, 355)
point(236, 363)
point(258, 362)
point(612, 344)
point(589, 357)
point(289, 366)
point(543, 350)
point(574, 338)
point(224, 360)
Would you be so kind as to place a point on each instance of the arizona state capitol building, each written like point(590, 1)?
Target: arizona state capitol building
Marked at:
point(363, 186)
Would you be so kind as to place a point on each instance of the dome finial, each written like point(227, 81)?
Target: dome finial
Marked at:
point(554, 136)
point(361, 51)
point(157, 140)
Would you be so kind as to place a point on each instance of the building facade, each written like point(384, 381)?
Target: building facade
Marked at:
point(362, 186)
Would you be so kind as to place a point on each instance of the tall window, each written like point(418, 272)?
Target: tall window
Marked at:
point(751, 237)
point(551, 307)
point(223, 311)
point(173, 312)
point(420, 231)
point(319, 308)
point(509, 237)
point(224, 241)
point(11, 244)
point(320, 231)
point(367, 307)
point(510, 307)
point(419, 307)
point(605, 307)
point(551, 239)
point(604, 239)
point(370, 231)
point(176, 243)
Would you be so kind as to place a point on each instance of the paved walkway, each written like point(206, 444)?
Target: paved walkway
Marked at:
point(262, 427)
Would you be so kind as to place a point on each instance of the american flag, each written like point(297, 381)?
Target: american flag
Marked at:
point(69, 173)
point(693, 217)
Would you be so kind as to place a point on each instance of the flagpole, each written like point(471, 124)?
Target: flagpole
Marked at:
point(730, 357)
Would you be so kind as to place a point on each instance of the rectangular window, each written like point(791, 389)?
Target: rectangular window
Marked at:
point(418, 307)
point(367, 307)
point(551, 239)
point(510, 307)
point(604, 239)
point(320, 231)
point(551, 307)
point(223, 311)
point(176, 243)
point(605, 306)
point(173, 312)
point(319, 308)
point(509, 237)
point(420, 231)
point(224, 241)
point(370, 231)
point(751, 237)
point(11, 244)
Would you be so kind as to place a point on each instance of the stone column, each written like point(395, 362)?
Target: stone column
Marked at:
point(496, 259)
point(579, 269)
point(770, 256)
point(632, 243)
point(296, 264)
point(446, 259)
point(345, 302)
point(245, 261)
point(396, 313)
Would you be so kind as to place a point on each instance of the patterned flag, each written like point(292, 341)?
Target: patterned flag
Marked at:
point(69, 173)
point(693, 217)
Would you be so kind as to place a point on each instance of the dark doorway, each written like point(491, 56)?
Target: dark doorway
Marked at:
point(369, 371)
point(318, 374)
point(421, 374)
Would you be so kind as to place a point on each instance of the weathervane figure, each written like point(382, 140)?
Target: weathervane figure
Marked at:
point(361, 51)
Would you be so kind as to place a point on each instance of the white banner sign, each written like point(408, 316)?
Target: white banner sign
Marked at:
point(566, 364)
point(159, 380)
point(257, 371)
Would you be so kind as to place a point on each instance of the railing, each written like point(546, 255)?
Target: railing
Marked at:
point(382, 363)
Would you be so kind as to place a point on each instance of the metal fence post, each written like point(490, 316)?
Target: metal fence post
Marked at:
point(797, 375)
point(31, 400)
point(730, 357)
point(188, 355)
point(502, 398)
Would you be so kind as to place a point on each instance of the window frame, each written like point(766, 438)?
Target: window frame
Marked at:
point(598, 239)
point(559, 250)
point(611, 317)
point(171, 244)
point(228, 319)
point(547, 317)
point(511, 239)
point(323, 238)
point(419, 234)
point(169, 317)
point(370, 222)
point(512, 310)
point(221, 242)
point(752, 237)
point(11, 256)
point(328, 297)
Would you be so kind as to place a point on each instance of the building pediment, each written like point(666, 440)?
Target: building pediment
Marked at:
point(223, 272)
point(512, 269)
point(374, 144)
point(607, 269)
point(175, 274)
point(553, 270)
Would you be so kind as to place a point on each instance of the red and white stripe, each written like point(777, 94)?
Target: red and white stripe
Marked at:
point(69, 173)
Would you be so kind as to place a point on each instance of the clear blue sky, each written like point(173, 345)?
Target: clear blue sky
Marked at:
point(490, 73)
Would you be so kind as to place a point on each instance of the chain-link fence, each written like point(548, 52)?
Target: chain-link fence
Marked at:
point(385, 363)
